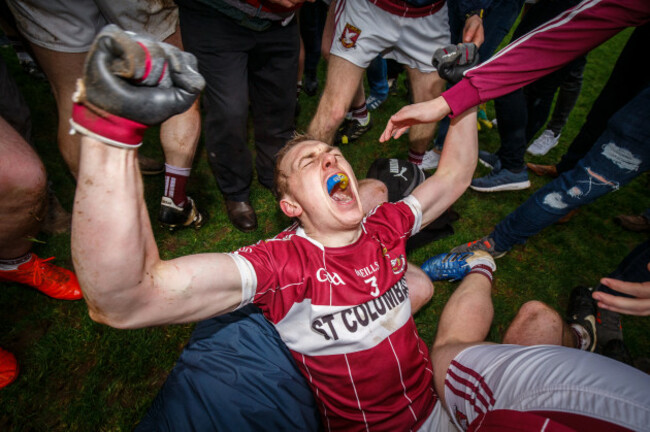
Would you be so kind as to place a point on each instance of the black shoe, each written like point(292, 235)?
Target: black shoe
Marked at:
point(351, 130)
point(242, 215)
point(582, 312)
point(310, 85)
point(174, 217)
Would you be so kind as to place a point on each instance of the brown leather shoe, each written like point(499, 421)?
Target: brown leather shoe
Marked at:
point(637, 223)
point(242, 215)
point(543, 170)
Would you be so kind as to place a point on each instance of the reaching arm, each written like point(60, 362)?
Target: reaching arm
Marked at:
point(454, 173)
point(546, 49)
point(640, 305)
point(128, 84)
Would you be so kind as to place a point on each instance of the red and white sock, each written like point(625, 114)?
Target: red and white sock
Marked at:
point(175, 182)
point(360, 114)
point(415, 157)
point(484, 270)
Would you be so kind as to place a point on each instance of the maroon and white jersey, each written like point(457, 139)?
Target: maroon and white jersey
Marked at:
point(576, 31)
point(345, 315)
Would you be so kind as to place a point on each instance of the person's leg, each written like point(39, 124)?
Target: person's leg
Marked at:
point(223, 62)
point(567, 97)
point(179, 137)
point(464, 322)
point(274, 57)
point(23, 187)
point(619, 155)
point(219, 382)
point(312, 23)
point(343, 79)
point(623, 84)
point(425, 86)
point(536, 323)
point(512, 116)
point(62, 70)
point(377, 82)
point(540, 94)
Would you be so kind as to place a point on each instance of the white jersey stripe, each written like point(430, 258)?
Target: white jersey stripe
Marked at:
point(356, 395)
point(401, 377)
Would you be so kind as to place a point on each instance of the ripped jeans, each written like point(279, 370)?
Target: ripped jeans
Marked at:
point(621, 153)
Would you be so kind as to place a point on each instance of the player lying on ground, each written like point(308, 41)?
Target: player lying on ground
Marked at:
point(333, 284)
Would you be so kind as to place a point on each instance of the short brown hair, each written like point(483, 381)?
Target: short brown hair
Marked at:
point(280, 178)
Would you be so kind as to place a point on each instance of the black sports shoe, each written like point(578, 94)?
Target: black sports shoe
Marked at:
point(174, 217)
point(582, 313)
point(351, 130)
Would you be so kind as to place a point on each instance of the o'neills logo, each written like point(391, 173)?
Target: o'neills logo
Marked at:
point(353, 319)
point(350, 35)
point(368, 270)
point(332, 278)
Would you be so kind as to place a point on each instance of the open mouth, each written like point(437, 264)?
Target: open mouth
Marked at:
point(337, 188)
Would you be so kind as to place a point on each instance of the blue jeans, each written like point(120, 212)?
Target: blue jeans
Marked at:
point(499, 18)
point(619, 155)
point(377, 74)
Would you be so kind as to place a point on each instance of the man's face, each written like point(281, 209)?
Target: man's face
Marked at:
point(308, 166)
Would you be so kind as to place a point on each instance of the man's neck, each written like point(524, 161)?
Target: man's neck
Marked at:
point(335, 239)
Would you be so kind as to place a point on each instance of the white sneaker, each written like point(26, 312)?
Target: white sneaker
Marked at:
point(545, 142)
point(430, 160)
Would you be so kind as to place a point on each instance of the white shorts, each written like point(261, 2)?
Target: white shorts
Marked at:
point(556, 382)
point(363, 31)
point(71, 25)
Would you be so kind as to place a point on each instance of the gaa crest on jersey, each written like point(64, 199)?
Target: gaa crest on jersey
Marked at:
point(350, 35)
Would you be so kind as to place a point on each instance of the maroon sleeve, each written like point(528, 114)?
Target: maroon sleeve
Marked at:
point(546, 49)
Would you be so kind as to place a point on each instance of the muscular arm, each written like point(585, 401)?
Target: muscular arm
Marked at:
point(538, 53)
point(124, 281)
point(454, 173)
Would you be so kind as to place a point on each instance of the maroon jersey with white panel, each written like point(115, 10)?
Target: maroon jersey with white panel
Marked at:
point(345, 315)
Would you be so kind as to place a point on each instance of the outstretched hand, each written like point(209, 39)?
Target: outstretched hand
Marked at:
point(625, 305)
point(423, 112)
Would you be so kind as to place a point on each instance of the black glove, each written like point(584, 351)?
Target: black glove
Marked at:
point(453, 60)
point(130, 83)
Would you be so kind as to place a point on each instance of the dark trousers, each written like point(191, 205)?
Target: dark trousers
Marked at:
point(312, 23)
point(625, 82)
point(243, 68)
point(235, 374)
point(633, 268)
point(523, 112)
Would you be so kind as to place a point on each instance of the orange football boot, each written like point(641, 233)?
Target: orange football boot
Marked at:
point(8, 368)
point(51, 280)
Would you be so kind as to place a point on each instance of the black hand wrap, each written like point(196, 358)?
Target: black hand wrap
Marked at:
point(453, 60)
point(130, 83)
